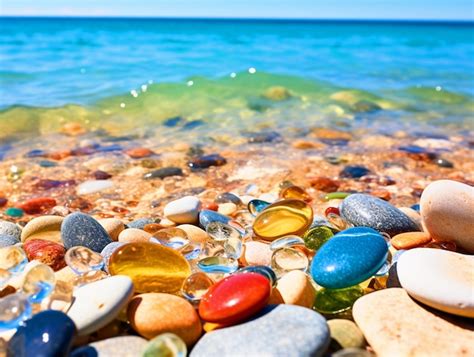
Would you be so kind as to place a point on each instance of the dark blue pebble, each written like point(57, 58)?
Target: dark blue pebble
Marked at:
point(416, 207)
point(363, 210)
point(192, 124)
point(208, 216)
point(172, 122)
point(163, 172)
point(79, 229)
point(263, 137)
point(349, 258)
point(354, 172)
point(6, 240)
point(141, 222)
point(35, 153)
point(109, 148)
point(50, 333)
point(413, 149)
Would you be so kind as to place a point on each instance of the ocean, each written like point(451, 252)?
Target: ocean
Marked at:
point(233, 74)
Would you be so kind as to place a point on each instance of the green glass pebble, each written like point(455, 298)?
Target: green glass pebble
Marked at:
point(334, 301)
point(165, 345)
point(14, 212)
point(315, 237)
point(336, 196)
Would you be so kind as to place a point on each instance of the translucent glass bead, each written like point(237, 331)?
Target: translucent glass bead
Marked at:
point(220, 232)
point(337, 222)
point(264, 270)
point(38, 283)
point(14, 309)
point(83, 260)
point(288, 259)
point(195, 286)
point(295, 192)
point(174, 238)
point(13, 259)
point(165, 345)
point(218, 265)
point(191, 251)
point(233, 248)
point(315, 237)
point(257, 206)
point(334, 301)
point(288, 241)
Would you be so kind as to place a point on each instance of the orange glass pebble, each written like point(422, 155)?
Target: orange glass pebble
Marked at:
point(152, 267)
point(295, 192)
point(410, 240)
point(286, 217)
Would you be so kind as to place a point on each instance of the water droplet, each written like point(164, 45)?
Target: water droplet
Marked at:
point(195, 286)
point(39, 282)
point(287, 241)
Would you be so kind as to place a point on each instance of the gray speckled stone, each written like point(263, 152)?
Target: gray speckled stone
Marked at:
point(10, 229)
point(116, 346)
point(283, 330)
point(140, 223)
point(6, 240)
point(79, 229)
point(368, 211)
point(107, 252)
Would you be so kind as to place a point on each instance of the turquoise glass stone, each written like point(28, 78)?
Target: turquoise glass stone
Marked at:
point(14, 212)
point(257, 206)
point(349, 258)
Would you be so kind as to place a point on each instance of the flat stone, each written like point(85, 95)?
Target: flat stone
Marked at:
point(98, 303)
point(134, 235)
point(115, 346)
point(439, 278)
point(447, 211)
point(269, 335)
point(10, 229)
point(79, 229)
point(43, 227)
point(394, 325)
point(363, 210)
point(183, 210)
point(93, 186)
point(410, 240)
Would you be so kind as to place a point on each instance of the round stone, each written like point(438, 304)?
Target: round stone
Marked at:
point(13, 259)
point(79, 229)
point(6, 241)
point(315, 237)
point(296, 288)
point(93, 186)
point(194, 234)
point(134, 235)
point(195, 286)
point(115, 346)
point(183, 210)
point(288, 259)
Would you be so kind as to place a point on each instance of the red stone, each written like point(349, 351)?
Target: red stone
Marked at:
point(324, 184)
point(38, 205)
point(46, 252)
point(235, 298)
point(3, 201)
point(210, 206)
point(138, 153)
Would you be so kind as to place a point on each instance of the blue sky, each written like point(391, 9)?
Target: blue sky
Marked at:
point(352, 9)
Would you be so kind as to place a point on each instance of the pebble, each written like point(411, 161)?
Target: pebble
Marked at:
point(14, 212)
point(447, 211)
point(10, 229)
point(269, 335)
point(152, 267)
point(349, 258)
point(368, 211)
point(439, 278)
point(38, 205)
point(257, 253)
point(116, 346)
point(345, 334)
point(153, 314)
point(395, 325)
point(98, 303)
point(195, 234)
point(286, 217)
point(43, 227)
point(93, 186)
point(79, 229)
point(183, 210)
point(48, 333)
point(227, 197)
point(208, 216)
point(139, 153)
point(410, 240)
point(354, 172)
point(235, 298)
point(112, 226)
point(227, 209)
point(134, 235)
point(46, 252)
point(141, 223)
point(324, 184)
point(163, 172)
point(206, 161)
point(296, 288)
point(6, 240)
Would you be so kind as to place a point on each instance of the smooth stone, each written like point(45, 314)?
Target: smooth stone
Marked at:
point(195, 234)
point(296, 288)
point(14, 212)
point(107, 252)
point(395, 325)
point(350, 257)
point(410, 240)
point(206, 161)
point(98, 303)
point(163, 172)
point(183, 210)
point(227, 209)
point(79, 229)
point(116, 346)
point(43, 227)
point(112, 226)
point(140, 223)
point(447, 211)
point(152, 267)
point(414, 215)
point(134, 235)
point(10, 229)
point(280, 330)
point(6, 240)
point(93, 186)
point(48, 333)
point(439, 278)
point(208, 216)
point(363, 210)
point(354, 172)
point(228, 197)
point(282, 218)
point(46, 252)
point(257, 253)
point(345, 334)
point(153, 314)
point(235, 298)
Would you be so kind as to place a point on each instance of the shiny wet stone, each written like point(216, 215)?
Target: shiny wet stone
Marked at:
point(206, 161)
point(163, 172)
point(79, 229)
point(354, 172)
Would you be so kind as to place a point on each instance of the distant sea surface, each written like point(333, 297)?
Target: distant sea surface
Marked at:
point(226, 71)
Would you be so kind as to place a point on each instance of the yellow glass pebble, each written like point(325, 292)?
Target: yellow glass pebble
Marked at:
point(152, 267)
point(295, 192)
point(283, 218)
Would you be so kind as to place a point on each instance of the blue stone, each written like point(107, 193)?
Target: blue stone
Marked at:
point(208, 216)
point(192, 124)
point(354, 172)
point(35, 153)
point(79, 229)
point(47, 163)
point(416, 207)
point(257, 206)
point(108, 251)
point(49, 333)
point(6, 240)
point(413, 149)
point(141, 223)
point(363, 210)
point(349, 258)
point(172, 122)
point(109, 148)
point(279, 330)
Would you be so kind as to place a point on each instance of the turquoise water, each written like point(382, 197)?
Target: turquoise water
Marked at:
point(142, 68)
